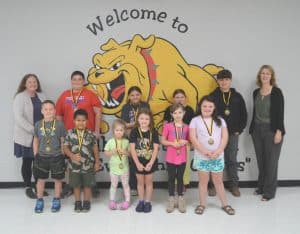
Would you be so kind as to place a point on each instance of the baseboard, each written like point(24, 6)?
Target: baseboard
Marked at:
point(162, 184)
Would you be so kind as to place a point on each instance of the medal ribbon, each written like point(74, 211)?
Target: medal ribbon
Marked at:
point(209, 130)
point(45, 132)
point(178, 136)
point(143, 140)
point(224, 99)
point(117, 146)
point(80, 136)
point(75, 100)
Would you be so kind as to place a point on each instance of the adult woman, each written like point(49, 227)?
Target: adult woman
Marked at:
point(27, 111)
point(79, 98)
point(267, 130)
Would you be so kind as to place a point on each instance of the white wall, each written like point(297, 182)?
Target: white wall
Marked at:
point(50, 39)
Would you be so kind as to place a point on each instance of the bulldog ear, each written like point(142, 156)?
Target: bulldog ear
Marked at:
point(110, 44)
point(139, 42)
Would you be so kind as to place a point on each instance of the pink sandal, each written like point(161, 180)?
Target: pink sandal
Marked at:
point(125, 205)
point(112, 205)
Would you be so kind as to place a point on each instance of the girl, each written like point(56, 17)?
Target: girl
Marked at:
point(27, 111)
point(144, 146)
point(117, 149)
point(175, 137)
point(208, 134)
point(179, 96)
point(129, 114)
point(267, 130)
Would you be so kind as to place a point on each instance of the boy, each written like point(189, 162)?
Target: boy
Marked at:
point(81, 147)
point(231, 107)
point(47, 148)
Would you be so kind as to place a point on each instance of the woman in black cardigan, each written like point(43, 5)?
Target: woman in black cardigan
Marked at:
point(267, 130)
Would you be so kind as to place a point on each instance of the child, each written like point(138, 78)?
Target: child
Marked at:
point(209, 136)
point(175, 137)
point(179, 97)
point(117, 149)
point(144, 146)
point(81, 148)
point(128, 114)
point(47, 148)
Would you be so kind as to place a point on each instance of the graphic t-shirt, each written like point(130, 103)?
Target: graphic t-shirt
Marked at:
point(203, 136)
point(87, 100)
point(129, 111)
point(144, 145)
point(173, 155)
point(115, 160)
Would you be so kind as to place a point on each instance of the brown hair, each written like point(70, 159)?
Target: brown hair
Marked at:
point(174, 107)
point(145, 111)
point(22, 85)
point(177, 91)
point(118, 122)
point(273, 78)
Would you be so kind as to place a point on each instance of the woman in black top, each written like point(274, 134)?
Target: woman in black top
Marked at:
point(267, 130)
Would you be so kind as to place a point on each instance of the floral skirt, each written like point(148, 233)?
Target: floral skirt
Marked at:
point(211, 165)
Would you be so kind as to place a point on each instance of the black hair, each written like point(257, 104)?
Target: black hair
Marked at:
point(177, 91)
point(224, 74)
point(77, 73)
point(48, 102)
point(174, 107)
point(134, 88)
point(215, 117)
point(80, 112)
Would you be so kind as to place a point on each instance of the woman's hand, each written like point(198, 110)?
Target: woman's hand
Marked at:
point(277, 137)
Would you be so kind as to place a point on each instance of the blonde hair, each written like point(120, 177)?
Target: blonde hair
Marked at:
point(273, 78)
point(118, 122)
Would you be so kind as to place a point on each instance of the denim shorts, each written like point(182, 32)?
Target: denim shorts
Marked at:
point(211, 165)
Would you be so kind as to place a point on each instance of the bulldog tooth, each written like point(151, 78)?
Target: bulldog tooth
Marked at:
point(108, 86)
point(94, 87)
point(116, 102)
point(102, 102)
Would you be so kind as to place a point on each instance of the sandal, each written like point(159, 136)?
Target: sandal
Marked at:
point(199, 209)
point(229, 210)
point(264, 198)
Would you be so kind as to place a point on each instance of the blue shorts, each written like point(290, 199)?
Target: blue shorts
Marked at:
point(211, 165)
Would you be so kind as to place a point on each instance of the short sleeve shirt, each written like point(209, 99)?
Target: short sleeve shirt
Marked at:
point(87, 100)
point(49, 137)
point(87, 154)
point(173, 155)
point(144, 145)
point(203, 135)
point(128, 111)
point(115, 160)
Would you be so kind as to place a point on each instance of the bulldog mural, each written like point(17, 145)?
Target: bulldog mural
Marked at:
point(153, 64)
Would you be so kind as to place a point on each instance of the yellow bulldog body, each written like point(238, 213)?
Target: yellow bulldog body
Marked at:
point(153, 64)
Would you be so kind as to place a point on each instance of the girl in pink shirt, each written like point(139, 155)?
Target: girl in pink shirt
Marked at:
point(175, 137)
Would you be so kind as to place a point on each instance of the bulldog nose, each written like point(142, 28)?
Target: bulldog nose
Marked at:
point(98, 74)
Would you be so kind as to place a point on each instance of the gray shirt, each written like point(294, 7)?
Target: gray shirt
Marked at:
point(50, 138)
point(262, 108)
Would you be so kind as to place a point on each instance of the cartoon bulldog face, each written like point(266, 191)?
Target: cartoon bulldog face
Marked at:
point(120, 67)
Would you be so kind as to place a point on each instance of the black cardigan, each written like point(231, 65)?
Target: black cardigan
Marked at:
point(276, 110)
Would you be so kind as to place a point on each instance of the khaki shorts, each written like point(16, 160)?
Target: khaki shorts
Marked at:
point(79, 179)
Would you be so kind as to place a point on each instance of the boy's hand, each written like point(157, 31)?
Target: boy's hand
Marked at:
point(76, 157)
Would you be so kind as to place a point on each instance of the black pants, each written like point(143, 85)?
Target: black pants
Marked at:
point(267, 155)
point(175, 172)
point(132, 175)
point(26, 171)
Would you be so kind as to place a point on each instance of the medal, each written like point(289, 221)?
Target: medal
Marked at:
point(135, 112)
point(47, 133)
point(209, 130)
point(80, 137)
point(227, 111)
point(75, 100)
point(226, 102)
point(121, 166)
point(178, 136)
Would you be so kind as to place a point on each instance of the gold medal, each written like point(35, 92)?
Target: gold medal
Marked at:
point(118, 147)
point(211, 141)
point(80, 137)
point(75, 100)
point(227, 111)
point(48, 133)
point(121, 166)
point(179, 136)
point(48, 148)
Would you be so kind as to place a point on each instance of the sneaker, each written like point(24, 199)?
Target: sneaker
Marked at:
point(86, 206)
point(95, 192)
point(147, 207)
point(212, 191)
point(66, 192)
point(39, 206)
point(112, 205)
point(30, 193)
point(55, 205)
point(125, 205)
point(78, 206)
point(181, 204)
point(258, 192)
point(133, 192)
point(235, 191)
point(171, 205)
point(140, 206)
